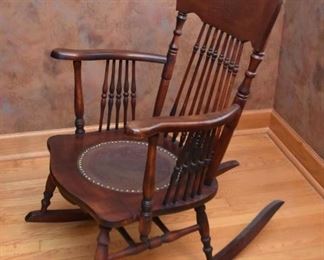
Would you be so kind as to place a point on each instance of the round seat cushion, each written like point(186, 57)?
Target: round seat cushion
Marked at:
point(120, 165)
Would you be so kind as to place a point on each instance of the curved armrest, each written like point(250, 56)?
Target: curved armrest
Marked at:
point(155, 125)
point(105, 54)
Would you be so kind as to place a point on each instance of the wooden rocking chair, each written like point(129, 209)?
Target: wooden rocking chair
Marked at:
point(140, 170)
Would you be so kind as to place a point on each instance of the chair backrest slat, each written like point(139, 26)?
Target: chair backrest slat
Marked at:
point(118, 93)
point(202, 74)
point(212, 75)
point(210, 60)
point(233, 70)
point(126, 92)
point(194, 51)
point(104, 96)
point(195, 73)
point(111, 94)
point(133, 89)
point(219, 57)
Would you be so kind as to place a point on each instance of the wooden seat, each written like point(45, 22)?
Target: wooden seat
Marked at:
point(67, 151)
point(137, 170)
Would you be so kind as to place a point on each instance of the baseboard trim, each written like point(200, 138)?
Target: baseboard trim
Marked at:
point(28, 145)
point(33, 144)
point(303, 153)
point(307, 174)
point(253, 119)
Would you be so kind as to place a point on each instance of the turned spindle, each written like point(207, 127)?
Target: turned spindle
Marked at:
point(111, 94)
point(104, 96)
point(118, 93)
point(126, 93)
point(78, 99)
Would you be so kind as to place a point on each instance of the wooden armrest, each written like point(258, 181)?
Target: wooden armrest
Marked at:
point(154, 125)
point(79, 55)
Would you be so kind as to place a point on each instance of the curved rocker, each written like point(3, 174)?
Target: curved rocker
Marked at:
point(249, 232)
point(60, 215)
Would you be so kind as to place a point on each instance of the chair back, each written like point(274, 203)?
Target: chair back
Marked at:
point(226, 27)
point(206, 87)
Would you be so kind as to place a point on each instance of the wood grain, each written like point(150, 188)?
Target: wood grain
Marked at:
point(296, 232)
point(298, 147)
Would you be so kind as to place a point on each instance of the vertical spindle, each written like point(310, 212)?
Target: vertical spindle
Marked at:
point(118, 93)
point(193, 55)
point(202, 74)
point(193, 79)
point(111, 94)
point(174, 178)
point(126, 94)
point(195, 154)
point(231, 65)
point(78, 99)
point(133, 90)
point(192, 82)
point(220, 61)
point(213, 55)
point(104, 96)
point(235, 71)
point(223, 74)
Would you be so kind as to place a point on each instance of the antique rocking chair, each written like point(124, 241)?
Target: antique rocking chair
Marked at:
point(140, 170)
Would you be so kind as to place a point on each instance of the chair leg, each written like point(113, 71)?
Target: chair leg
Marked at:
point(45, 202)
point(202, 221)
point(48, 193)
point(102, 244)
point(45, 215)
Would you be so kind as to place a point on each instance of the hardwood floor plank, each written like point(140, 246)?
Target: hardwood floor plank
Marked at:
point(295, 232)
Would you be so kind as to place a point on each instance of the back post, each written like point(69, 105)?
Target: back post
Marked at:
point(244, 89)
point(169, 66)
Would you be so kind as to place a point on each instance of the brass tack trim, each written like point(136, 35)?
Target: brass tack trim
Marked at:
point(84, 173)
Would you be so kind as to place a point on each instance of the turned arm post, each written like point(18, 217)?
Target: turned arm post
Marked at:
point(169, 66)
point(148, 189)
point(78, 99)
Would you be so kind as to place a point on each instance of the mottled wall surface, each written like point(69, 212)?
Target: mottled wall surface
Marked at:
point(300, 92)
point(36, 92)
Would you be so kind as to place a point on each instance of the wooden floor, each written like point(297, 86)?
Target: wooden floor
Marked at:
point(296, 231)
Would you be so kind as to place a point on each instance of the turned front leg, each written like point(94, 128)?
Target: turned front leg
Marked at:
point(48, 193)
point(103, 244)
point(202, 221)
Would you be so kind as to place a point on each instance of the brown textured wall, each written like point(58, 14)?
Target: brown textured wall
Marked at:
point(36, 91)
point(300, 91)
